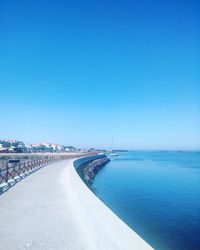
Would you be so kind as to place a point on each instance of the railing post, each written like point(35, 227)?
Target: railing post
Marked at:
point(28, 165)
point(7, 174)
point(34, 164)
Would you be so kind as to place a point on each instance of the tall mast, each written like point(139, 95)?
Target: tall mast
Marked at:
point(111, 144)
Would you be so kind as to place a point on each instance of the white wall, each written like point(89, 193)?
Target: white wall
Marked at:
point(101, 228)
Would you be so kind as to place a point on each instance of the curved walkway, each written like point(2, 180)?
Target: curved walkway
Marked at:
point(54, 209)
point(35, 214)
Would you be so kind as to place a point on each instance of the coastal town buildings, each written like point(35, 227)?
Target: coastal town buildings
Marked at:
point(15, 146)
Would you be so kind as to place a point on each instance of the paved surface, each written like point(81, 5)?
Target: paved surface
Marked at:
point(35, 214)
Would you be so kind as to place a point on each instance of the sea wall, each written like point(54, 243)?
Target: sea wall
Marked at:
point(101, 228)
point(89, 170)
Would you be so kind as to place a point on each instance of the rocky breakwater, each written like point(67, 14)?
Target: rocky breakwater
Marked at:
point(92, 168)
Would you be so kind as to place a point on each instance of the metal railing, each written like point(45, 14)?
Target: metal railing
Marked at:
point(10, 171)
point(14, 170)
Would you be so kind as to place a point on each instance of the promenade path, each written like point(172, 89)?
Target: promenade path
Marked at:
point(35, 213)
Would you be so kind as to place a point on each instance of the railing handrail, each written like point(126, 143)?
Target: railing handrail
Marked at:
point(14, 171)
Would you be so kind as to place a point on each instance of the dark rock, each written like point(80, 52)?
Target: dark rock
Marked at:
point(92, 168)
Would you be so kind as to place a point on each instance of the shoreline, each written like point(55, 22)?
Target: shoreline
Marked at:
point(88, 170)
point(101, 227)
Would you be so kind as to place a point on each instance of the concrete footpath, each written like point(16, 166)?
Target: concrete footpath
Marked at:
point(35, 214)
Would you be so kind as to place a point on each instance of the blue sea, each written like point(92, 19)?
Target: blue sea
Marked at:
point(157, 194)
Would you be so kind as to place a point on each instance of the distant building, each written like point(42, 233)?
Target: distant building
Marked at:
point(14, 146)
point(92, 150)
point(69, 149)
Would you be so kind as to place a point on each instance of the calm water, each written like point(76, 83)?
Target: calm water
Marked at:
point(157, 194)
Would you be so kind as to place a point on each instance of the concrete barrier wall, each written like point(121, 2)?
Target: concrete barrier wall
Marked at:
point(102, 229)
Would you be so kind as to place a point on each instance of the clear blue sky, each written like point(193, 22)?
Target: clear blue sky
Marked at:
point(80, 72)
